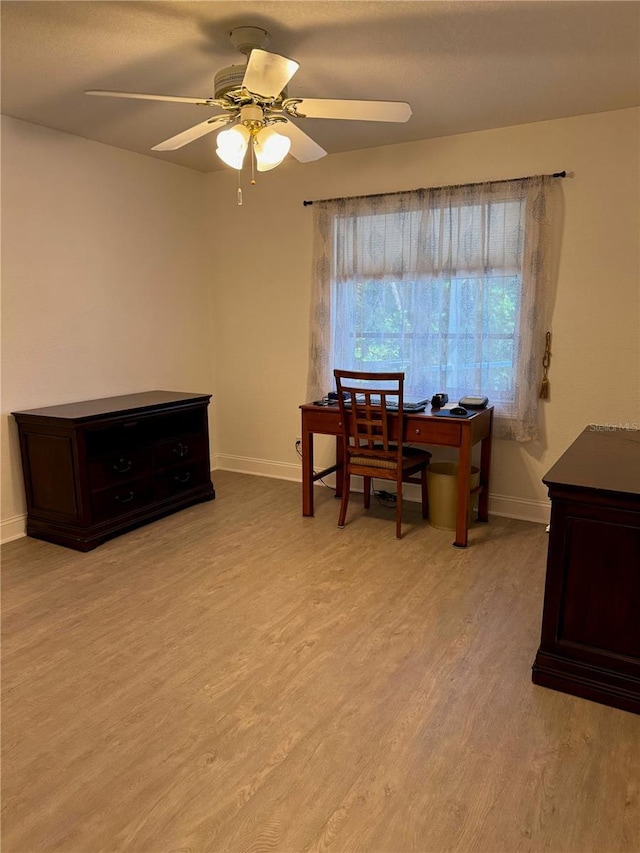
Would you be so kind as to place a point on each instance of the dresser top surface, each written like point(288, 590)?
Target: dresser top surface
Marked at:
point(127, 403)
point(600, 459)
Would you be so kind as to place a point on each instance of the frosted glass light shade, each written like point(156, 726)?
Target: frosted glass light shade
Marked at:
point(271, 148)
point(232, 145)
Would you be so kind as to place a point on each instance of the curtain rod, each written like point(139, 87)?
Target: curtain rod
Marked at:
point(562, 174)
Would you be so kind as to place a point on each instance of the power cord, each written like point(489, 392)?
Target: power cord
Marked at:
point(299, 452)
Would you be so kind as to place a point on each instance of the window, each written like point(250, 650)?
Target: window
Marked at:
point(457, 334)
point(446, 285)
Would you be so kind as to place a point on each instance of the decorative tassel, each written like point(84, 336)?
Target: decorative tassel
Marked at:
point(544, 390)
point(546, 361)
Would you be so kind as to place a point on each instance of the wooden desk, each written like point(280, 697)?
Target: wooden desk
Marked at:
point(590, 644)
point(419, 428)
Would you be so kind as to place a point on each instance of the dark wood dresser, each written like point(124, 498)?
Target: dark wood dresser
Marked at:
point(97, 468)
point(590, 644)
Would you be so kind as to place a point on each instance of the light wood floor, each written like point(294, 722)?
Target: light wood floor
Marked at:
point(238, 678)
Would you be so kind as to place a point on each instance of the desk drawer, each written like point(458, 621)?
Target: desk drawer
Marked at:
point(433, 431)
point(325, 420)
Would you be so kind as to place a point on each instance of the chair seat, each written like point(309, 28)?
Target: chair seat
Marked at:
point(410, 456)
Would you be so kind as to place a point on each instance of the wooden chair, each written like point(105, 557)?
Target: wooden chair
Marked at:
point(368, 402)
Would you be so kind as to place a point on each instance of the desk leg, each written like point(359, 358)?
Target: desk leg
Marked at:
point(485, 468)
point(339, 461)
point(307, 472)
point(464, 476)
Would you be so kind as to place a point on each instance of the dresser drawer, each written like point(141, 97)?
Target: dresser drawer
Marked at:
point(117, 438)
point(179, 450)
point(114, 469)
point(182, 479)
point(124, 498)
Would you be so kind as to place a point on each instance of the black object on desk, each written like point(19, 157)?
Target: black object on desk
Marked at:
point(455, 412)
point(474, 402)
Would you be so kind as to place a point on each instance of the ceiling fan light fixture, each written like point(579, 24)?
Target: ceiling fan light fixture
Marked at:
point(270, 148)
point(232, 145)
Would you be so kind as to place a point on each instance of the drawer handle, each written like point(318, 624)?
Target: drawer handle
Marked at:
point(183, 478)
point(124, 499)
point(122, 465)
point(418, 432)
point(181, 449)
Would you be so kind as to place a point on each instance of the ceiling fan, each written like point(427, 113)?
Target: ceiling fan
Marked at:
point(255, 101)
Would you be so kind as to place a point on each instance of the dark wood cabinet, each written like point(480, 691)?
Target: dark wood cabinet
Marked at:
point(590, 643)
point(97, 468)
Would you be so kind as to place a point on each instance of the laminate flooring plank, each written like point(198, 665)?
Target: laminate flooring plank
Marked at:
point(238, 678)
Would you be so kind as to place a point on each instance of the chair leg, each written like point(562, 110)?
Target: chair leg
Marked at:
point(367, 492)
point(399, 510)
point(425, 494)
point(344, 503)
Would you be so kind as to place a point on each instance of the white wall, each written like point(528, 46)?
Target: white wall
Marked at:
point(261, 254)
point(121, 273)
point(103, 281)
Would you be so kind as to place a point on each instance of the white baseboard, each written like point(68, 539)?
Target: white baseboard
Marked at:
point(502, 505)
point(520, 508)
point(13, 528)
point(259, 467)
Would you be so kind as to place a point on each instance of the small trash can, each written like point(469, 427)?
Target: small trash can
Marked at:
point(442, 484)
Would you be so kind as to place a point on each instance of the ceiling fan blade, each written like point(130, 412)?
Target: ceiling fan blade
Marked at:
point(354, 110)
point(268, 73)
point(204, 101)
point(303, 148)
point(193, 133)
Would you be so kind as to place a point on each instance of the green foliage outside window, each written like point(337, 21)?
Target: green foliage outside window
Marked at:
point(463, 331)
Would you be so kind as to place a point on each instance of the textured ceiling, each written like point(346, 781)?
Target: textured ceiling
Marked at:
point(463, 66)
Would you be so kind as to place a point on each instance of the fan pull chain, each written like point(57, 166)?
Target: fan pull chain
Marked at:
point(546, 361)
point(253, 164)
point(239, 190)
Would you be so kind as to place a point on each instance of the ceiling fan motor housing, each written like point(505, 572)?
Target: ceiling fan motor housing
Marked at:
point(228, 79)
point(244, 39)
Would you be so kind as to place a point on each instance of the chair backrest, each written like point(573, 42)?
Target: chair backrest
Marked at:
point(367, 402)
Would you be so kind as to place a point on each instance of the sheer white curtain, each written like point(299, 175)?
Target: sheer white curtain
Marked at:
point(449, 285)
